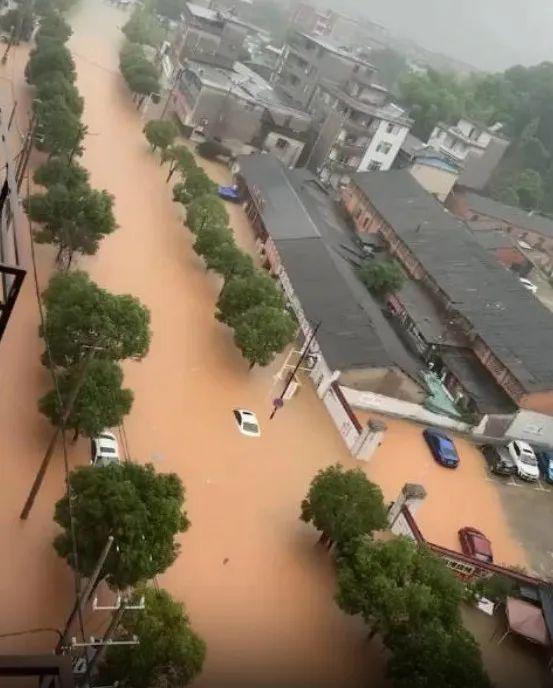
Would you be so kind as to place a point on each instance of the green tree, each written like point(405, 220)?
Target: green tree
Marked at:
point(391, 66)
point(230, 261)
point(343, 505)
point(58, 88)
point(171, 653)
point(197, 183)
point(263, 331)
point(79, 315)
point(142, 509)
point(181, 160)
point(59, 130)
point(206, 210)
point(72, 218)
point(18, 22)
point(160, 133)
point(430, 656)
point(381, 276)
point(242, 293)
point(142, 76)
point(49, 57)
point(144, 28)
point(212, 149)
point(529, 189)
point(101, 402)
point(57, 171)
point(396, 586)
point(53, 27)
point(210, 239)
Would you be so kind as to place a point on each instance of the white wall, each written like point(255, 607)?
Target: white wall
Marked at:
point(370, 401)
point(341, 419)
point(533, 427)
point(289, 155)
point(386, 160)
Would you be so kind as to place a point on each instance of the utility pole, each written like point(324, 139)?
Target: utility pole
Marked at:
point(50, 450)
point(279, 401)
point(171, 91)
point(26, 152)
point(83, 598)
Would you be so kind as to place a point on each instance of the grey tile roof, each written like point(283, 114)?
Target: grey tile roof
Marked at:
point(310, 238)
point(512, 322)
point(509, 214)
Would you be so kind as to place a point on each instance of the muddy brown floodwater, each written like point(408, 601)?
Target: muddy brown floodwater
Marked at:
point(256, 585)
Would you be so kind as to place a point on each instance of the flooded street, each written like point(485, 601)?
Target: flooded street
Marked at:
point(257, 587)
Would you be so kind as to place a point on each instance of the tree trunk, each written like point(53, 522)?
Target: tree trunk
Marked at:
point(323, 539)
point(171, 172)
point(75, 435)
point(251, 365)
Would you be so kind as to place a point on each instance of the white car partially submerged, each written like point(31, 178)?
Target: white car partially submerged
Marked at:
point(528, 285)
point(525, 460)
point(247, 422)
point(104, 449)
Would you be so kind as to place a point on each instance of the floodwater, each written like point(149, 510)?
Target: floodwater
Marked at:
point(257, 587)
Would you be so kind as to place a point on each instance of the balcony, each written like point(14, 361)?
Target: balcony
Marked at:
point(299, 46)
point(353, 145)
point(356, 126)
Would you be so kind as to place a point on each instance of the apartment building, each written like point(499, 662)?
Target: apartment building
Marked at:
point(475, 148)
point(358, 126)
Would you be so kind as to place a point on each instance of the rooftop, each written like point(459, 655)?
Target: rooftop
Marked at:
point(388, 112)
point(217, 16)
point(335, 49)
point(512, 322)
point(316, 248)
point(518, 217)
point(243, 83)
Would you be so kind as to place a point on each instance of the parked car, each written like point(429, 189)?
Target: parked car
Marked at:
point(104, 449)
point(247, 422)
point(475, 544)
point(499, 460)
point(545, 464)
point(525, 460)
point(442, 447)
point(230, 193)
point(528, 285)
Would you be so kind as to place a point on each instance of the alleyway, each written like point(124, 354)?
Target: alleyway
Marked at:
point(267, 614)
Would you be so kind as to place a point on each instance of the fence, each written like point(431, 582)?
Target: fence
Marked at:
point(342, 415)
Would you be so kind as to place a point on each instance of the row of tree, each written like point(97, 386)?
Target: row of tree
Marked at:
point(250, 301)
point(521, 98)
point(403, 592)
point(87, 332)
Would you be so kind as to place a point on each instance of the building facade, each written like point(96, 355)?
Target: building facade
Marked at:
point(475, 148)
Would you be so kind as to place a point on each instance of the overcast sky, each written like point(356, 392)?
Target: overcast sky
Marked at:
point(490, 34)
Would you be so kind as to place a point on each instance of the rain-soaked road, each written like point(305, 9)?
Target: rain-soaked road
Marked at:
point(267, 614)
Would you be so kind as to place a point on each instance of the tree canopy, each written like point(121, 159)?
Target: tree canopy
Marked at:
point(79, 315)
point(141, 75)
point(244, 292)
point(73, 218)
point(197, 183)
point(171, 653)
point(59, 130)
point(397, 586)
point(343, 505)
point(57, 171)
point(53, 27)
point(49, 57)
point(57, 87)
point(144, 28)
point(230, 261)
point(381, 276)
point(209, 241)
point(181, 159)
point(263, 331)
point(142, 509)
point(160, 133)
point(101, 402)
point(206, 210)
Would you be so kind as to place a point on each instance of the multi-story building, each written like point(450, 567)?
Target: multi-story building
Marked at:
point(507, 331)
point(476, 148)
point(359, 128)
point(240, 108)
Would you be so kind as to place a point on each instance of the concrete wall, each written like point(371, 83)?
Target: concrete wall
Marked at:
point(536, 428)
point(387, 381)
point(435, 180)
point(341, 418)
point(227, 116)
point(369, 401)
point(288, 155)
point(325, 139)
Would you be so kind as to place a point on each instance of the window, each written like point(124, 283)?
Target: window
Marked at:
point(390, 128)
point(384, 147)
point(282, 143)
point(374, 166)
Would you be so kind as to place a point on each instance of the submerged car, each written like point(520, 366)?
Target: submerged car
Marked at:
point(442, 447)
point(475, 544)
point(499, 460)
point(230, 193)
point(525, 459)
point(247, 422)
point(104, 449)
point(528, 285)
point(545, 464)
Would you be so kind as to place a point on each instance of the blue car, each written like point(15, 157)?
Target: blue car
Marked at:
point(545, 462)
point(442, 447)
point(230, 193)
